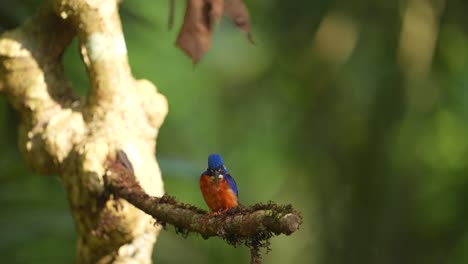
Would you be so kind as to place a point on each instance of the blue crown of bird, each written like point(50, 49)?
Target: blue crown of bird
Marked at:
point(216, 166)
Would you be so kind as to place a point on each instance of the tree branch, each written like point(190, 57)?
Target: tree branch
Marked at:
point(33, 79)
point(237, 225)
point(103, 49)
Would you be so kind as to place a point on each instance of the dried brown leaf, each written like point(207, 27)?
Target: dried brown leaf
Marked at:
point(239, 14)
point(199, 21)
point(217, 10)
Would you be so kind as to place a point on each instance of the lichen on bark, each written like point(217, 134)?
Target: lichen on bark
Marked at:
point(62, 134)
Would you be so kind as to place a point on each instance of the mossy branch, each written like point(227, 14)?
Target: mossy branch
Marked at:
point(252, 225)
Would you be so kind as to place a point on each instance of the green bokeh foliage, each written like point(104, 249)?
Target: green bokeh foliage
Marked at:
point(376, 159)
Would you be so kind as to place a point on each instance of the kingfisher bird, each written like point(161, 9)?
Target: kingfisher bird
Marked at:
point(218, 187)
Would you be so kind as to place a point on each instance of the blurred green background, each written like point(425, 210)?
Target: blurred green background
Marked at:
point(354, 111)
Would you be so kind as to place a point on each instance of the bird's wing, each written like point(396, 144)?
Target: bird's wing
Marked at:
point(232, 183)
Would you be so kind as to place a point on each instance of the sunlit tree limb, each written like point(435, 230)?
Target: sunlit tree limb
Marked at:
point(62, 134)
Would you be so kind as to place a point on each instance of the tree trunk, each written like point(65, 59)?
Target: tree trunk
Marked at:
point(74, 137)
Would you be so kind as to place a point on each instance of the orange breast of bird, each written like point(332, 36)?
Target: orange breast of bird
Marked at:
point(220, 198)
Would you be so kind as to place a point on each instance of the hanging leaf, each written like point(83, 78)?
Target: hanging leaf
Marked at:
point(216, 10)
point(239, 14)
point(199, 20)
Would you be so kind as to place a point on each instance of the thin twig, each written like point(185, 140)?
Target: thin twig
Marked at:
point(255, 257)
point(170, 21)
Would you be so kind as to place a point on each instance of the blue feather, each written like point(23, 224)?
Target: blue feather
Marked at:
point(215, 161)
point(232, 184)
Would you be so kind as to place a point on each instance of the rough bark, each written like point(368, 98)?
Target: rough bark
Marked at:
point(71, 137)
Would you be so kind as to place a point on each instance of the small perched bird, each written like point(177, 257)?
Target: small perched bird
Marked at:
point(217, 186)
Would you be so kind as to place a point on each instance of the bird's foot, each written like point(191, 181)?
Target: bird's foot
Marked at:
point(216, 213)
